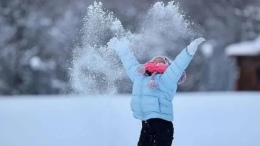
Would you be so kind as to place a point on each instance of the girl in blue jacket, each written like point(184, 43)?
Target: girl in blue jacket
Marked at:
point(154, 86)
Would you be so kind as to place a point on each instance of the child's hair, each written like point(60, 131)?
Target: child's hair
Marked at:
point(147, 73)
point(166, 59)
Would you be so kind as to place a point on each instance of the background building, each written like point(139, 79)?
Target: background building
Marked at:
point(247, 56)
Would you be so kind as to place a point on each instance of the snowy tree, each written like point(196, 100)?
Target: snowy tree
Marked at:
point(35, 45)
point(224, 22)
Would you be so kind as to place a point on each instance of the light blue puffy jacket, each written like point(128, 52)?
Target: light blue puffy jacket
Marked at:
point(149, 103)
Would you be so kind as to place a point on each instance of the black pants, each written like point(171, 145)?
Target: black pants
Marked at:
point(156, 132)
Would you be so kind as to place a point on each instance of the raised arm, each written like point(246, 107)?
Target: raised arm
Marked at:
point(122, 48)
point(175, 70)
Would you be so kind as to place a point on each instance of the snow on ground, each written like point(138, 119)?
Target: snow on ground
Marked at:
point(201, 119)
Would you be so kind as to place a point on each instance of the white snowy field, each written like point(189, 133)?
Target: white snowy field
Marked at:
point(201, 119)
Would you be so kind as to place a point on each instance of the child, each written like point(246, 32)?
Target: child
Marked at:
point(154, 86)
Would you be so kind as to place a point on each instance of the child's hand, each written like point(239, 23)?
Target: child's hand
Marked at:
point(193, 46)
point(117, 44)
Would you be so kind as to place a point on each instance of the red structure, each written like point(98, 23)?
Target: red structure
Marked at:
point(247, 55)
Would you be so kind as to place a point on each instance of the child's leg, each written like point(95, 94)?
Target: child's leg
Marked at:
point(156, 132)
point(164, 132)
point(146, 135)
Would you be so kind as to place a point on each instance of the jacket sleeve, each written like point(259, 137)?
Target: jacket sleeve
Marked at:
point(174, 72)
point(129, 61)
